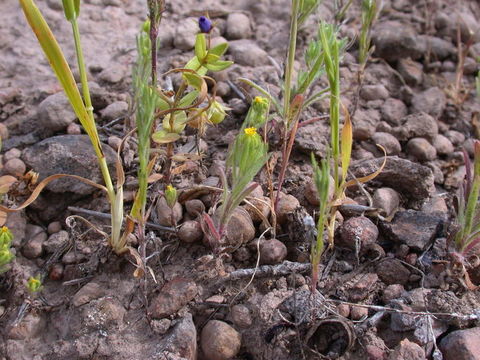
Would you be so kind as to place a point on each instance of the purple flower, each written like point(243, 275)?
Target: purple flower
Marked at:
point(205, 24)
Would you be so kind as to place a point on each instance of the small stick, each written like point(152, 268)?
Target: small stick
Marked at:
point(286, 268)
point(101, 215)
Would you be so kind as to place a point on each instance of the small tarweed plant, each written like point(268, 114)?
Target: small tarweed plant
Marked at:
point(370, 10)
point(465, 236)
point(6, 254)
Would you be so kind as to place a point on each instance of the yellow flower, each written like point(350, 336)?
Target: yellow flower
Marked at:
point(260, 100)
point(4, 229)
point(250, 131)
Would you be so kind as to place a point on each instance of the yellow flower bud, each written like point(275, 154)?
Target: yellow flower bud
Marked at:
point(171, 196)
point(34, 284)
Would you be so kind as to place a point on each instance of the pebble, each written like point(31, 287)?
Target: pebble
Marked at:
point(87, 293)
point(411, 71)
point(190, 231)
point(418, 124)
point(113, 74)
point(443, 145)
point(185, 33)
point(33, 248)
point(286, 205)
point(392, 292)
point(362, 288)
point(220, 341)
point(74, 129)
point(365, 123)
point(461, 345)
point(456, 137)
point(31, 326)
point(13, 153)
point(114, 110)
point(272, 252)
point(393, 111)
point(56, 272)
point(358, 312)
point(15, 167)
point(114, 142)
point(432, 101)
point(55, 113)
point(194, 207)
point(412, 228)
point(174, 295)
point(54, 227)
point(241, 316)
point(238, 26)
point(55, 241)
point(357, 230)
point(421, 149)
point(408, 350)
point(343, 310)
point(387, 199)
point(394, 40)
point(392, 271)
point(389, 142)
point(261, 204)
point(247, 52)
point(374, 92)
point(166, 215)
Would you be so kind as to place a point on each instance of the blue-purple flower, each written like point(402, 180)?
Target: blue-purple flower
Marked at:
point(204, 24)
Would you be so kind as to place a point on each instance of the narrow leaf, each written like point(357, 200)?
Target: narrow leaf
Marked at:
point(346, 144)
point(200, 46)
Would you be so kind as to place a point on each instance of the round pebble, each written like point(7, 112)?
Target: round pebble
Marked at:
point(220, 341)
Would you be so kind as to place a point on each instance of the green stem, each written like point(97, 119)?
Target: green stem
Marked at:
point(290, 61)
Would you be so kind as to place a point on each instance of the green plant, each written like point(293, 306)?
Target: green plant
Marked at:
point(34, 283)
point(245, 159)
point(464, 239)
point(370, 12)
point(6, 255)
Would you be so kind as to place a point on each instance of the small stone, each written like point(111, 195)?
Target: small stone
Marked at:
point(15, 167)
point(54, 227)
point(87, 293)
point(238, 26)
point(456, 137)
point(272, 252)
point(413, 228)
point(363, 287)
point(443, 145)
point(219, 341)
point(365, 123)
point(180, 343)
point(190, 231)
point(240, 228)
point(174, 295)
point(408, 350)
point(194, 207)
point(389, 142)
point(34, 246)
point(262, 205)
point(13, 153)
point(417, 125)
point(113, 74)
point(386, 199)
point(56, 272)
point(411, 71)
point(421, 149)
point(248, 53)
point(29, 328)
point(439, 48)
point(393, 111)
point(114, 110)
point(114, 142)
point(394, 40)
point(185, 32)
point(392, 292)
point(241, 316)
point(374, 92)
point(167, 216)
point(286, 205)
point(402, 321)
point(160, 326)
point(55, 113)
point(358, 312)
point(343, 310)
point(357, 231)
point(461, 345)
point(392, 271)
point(55, 241)
point(431, 101)
point(74, 129)
point(436, 205)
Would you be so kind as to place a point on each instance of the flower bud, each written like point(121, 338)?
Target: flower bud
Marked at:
point(257, 114)
point(6, 237)
point(171, 196)
point(216, 113)
point(34, 284)
point(205, 24)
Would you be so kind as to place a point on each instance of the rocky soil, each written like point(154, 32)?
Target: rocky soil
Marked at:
point(384, 292)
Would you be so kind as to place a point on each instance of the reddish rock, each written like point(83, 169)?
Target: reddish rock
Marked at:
point(392, 271)
point(461, 345)
point(407, 350)
point(363, 287)
point(357, 230)
point(172, 297)
point(272, 252)
point(220, 341)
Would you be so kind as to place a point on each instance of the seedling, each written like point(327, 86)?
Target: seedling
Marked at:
point(370, 12)
point(6, 255)
point(465, 237)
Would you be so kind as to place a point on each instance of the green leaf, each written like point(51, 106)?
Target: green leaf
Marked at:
point(219, 65)
point(194, 80)
point(200, 46)
point(71, 8)
point(162, 104)
point(179, 120)
point(188, 99)
point(164, 137)
point(219, 50)
point(193, 64)
point(211, 58)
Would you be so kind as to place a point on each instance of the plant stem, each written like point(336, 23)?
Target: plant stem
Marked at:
point(290, 61)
